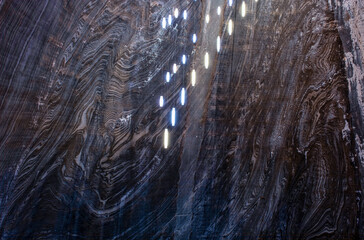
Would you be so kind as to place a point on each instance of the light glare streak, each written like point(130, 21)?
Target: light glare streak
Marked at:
point(194, 38)
point(173, 117)
point(164, 22)
point(218, 43)
point(165, 140)
point(161, 101)
point(243, 9)
point(218, 10)
point(193, 77)
point(206, 60)
point(168, 77)
point(183, 96)
point(230, 27)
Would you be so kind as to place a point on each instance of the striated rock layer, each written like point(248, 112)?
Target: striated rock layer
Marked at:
point(270, 143)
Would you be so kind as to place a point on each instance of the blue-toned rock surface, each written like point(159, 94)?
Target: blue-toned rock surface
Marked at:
point(269, 145)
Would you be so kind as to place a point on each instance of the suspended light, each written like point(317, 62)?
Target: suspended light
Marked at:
point(161, 101)
point(173, 117)
point(176, 13)
point(218, 43)
point(243, 9)
point(169, 19)
point(230, 3)
point(218, 10)
point(183, 59)
point(165, 140)
point(206, 60)
point(193, 77)
point(230, 27)
point(207, 18)
point(183, 97)
point(164, 23)
point(194, 38)
point(185, 14)
point(174, 68)
point(168, 77)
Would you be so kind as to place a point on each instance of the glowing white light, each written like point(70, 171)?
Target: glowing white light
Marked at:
point(193, 77)
point(194, 38)
point(256, 0)
point(173, 117)
point(165, 140)
point(183, 97)
point(207, 18)
point(218, 43)
point(184, 59)
point(174, 68)
point(161, 101)
point(168, 77)
point(164, 22)
point(218, 10)
point(230, 3)
point(176, 13)
point(169, 19)
point(185, 14)
point(206, 60)
point(243, 9)
point(230, 27)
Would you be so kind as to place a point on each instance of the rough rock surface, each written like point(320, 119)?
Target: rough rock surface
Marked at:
point(270, 143)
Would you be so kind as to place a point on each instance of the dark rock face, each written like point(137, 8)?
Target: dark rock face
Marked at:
point(269, 144)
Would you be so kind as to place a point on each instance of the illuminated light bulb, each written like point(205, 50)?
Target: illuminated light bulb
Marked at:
point(165, 138)
point(183, 59)
point(243, 9)
point(173, 117)
point(218, 10)
point(218, 43)
point(207, 18)
point(164, 22)
point(194, 38)
point(183, 97)
point(193, 78)
point(174, 68)
point(169, 19)
point(185, 14)
point(230, 3)
point(256, 0)
point(161, 101)
point(168, 77)
point(176, 13)
point(206, 60)
point(230, 27)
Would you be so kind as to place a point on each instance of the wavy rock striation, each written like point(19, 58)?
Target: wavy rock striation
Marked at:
point(269, 145)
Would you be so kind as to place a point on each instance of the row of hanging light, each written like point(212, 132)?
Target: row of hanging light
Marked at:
point(167, 21)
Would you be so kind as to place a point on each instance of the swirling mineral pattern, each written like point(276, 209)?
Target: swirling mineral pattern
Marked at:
point(266, 142)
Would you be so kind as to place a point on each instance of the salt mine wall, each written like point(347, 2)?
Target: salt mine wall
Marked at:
point(267, 143)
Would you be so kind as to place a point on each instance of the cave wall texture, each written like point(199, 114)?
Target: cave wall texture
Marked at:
point(270, 144)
